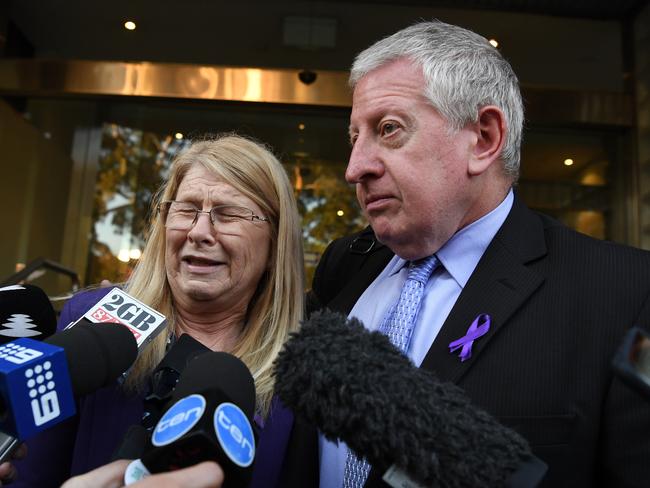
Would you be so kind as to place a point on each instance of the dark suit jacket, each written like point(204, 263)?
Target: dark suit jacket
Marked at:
point(560, 304)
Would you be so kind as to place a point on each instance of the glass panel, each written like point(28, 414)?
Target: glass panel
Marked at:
point(328, 206)
point(567, 174)
point(132, 165)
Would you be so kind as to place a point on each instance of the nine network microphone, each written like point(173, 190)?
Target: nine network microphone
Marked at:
point(40, 380)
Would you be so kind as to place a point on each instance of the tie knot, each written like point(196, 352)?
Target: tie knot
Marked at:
point(421, 269)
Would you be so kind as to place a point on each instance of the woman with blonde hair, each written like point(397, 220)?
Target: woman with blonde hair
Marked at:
point(223, 262)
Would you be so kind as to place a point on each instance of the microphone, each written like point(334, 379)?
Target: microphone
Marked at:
point(166, 376)
point(163, 381)
point(354, 385)
point(119, 307)
point(25, 311)
point(210, 417)
point(39, 380)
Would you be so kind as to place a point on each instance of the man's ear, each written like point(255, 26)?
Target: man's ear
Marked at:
point(491, 135)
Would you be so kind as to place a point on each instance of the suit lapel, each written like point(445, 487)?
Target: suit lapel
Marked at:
point(500, 284)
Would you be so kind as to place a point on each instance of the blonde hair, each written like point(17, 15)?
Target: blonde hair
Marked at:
point(277, 306)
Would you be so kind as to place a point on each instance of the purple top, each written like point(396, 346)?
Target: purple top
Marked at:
point(88, 440)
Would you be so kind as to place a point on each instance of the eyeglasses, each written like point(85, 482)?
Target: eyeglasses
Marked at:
point(183, 215)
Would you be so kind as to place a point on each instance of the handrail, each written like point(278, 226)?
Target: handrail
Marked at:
point(24, 274)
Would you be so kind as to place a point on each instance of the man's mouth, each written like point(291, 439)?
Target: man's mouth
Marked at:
point(376, 202)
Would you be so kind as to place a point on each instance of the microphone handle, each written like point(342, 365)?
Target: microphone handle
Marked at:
point(8, 444)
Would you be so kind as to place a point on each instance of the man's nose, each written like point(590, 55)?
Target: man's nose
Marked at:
point(365, 162)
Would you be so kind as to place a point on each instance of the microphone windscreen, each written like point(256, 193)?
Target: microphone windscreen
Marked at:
point(354, 385)
point(219, 371)
point(96, 354)
point(25, 311)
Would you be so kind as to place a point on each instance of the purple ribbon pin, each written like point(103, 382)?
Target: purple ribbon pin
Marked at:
point(479, 328)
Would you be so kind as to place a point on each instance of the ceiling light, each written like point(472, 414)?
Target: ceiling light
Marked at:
point(494, 42)
point(568, 162)
point(129, 25)
point(340, 213)
point(178, 135)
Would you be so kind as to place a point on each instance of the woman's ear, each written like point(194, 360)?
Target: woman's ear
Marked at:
point(491, 133)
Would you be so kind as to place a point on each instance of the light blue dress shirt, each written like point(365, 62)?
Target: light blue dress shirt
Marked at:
point(459, 256)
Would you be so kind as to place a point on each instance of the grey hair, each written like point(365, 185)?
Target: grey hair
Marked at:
point(463, 72)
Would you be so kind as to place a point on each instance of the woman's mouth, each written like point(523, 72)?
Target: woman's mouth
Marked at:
point(198, 264)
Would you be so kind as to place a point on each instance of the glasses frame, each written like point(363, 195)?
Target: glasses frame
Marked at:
point(165, 213)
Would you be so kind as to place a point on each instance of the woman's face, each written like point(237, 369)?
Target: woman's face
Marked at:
point(215, 265)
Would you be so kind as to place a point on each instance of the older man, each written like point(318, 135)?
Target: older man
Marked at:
point(435, 130)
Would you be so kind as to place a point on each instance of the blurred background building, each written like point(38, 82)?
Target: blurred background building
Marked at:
point(96, 98)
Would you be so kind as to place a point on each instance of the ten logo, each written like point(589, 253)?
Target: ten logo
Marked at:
point(235, 434)
point(178, 420)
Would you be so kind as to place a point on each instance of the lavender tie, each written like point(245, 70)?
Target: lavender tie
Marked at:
point(398, 325)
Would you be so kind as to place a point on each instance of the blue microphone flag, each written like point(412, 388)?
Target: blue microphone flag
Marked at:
point(35, 386)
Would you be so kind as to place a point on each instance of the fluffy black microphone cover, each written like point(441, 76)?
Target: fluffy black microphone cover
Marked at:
point(25, 311)
point(354, 385)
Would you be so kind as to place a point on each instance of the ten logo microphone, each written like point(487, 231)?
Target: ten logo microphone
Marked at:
point(210, 418)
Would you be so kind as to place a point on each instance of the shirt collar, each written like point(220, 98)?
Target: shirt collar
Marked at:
point(462, 252)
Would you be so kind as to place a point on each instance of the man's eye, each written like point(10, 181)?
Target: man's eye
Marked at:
point(388, 128)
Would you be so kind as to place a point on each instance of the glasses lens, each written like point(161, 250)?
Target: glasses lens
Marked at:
point(180, 215)
point(225, 214)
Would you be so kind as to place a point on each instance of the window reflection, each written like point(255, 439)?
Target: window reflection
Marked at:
point(132, 165)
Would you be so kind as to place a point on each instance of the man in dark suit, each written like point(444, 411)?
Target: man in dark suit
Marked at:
point(435, 130)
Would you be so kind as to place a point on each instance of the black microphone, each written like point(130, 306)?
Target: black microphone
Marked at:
point(163, 381)
point(166, 375)
point(354, 385)
point(210, 417)
point(25, 311)
point(97, 354)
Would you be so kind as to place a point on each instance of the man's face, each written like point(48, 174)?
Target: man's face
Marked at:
point(410, 170)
